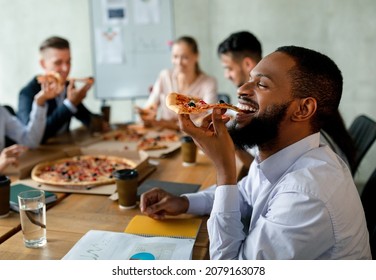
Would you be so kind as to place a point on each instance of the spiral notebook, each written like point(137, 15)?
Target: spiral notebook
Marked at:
point(178, 228)
point(108, 245)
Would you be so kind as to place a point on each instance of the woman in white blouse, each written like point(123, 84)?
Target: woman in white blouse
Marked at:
point(185, 77)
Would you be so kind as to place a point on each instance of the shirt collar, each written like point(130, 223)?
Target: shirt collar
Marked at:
point(277, 164)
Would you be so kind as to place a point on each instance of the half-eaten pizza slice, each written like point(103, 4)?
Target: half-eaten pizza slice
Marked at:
point(185, 104)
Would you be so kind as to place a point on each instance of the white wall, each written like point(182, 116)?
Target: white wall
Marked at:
point(343, 29)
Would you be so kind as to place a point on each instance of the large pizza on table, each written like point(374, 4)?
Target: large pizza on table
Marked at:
point(185, 104)
point(83, 170)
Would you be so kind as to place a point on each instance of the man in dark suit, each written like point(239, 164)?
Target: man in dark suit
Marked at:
point(56, 57)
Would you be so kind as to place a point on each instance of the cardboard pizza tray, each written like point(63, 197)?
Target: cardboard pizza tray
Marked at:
point(76, 142)
point(55, 148)
point(29, 159)
point(34, 156)
point(171, 146)
point(140, 158)
point(132, 146)
point(80, 137)
point(100, 190)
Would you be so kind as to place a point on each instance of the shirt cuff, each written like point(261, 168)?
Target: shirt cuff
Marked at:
point(70, 106)
point(226, 199)
point(38, 111)
point(197, 204)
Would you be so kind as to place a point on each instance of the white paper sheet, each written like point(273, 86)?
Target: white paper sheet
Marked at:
point(109, 45)
point(146, 11)
point(107, 245)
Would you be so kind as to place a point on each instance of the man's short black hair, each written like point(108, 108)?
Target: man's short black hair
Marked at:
point(54, 42)
point(240, 45)
point(315, 75)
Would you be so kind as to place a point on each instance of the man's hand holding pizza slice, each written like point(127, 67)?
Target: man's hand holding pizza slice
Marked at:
point(51, 86)
point(51, 82)
point(77, 95)
point(212, 135)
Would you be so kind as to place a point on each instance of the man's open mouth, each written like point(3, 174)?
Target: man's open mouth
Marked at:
point(247, 108)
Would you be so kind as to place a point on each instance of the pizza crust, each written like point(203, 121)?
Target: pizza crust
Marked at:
point(171, 103)
point(39, 169)
point(88, 80)
point(179, 103)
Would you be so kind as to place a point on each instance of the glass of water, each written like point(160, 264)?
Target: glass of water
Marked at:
point(33, 217)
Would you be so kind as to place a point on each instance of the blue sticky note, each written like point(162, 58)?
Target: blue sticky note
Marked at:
point(142, 256)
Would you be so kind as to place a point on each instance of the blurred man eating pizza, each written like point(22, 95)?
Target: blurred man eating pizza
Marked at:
point(56, 62)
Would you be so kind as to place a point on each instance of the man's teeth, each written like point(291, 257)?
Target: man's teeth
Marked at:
point(246, 107)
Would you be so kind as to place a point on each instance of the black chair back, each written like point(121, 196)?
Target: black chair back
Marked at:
point(8, 141)
point(363, 133)
point(368, 198)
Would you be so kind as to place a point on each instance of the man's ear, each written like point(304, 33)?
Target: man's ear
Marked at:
point(42, 63)
point(305, 109)
point(249, 64)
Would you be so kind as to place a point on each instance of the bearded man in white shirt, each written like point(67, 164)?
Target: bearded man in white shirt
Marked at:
point(299, 200)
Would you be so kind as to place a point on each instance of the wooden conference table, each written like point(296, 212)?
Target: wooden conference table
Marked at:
point(75, 214)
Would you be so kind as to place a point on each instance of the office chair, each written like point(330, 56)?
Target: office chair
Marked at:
point(225, 97)
point(363, 133)
point(368, 198)
point(372, 240)
point(10, 109)
point(8, 141)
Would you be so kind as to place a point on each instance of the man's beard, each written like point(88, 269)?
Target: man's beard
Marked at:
point(262, 130)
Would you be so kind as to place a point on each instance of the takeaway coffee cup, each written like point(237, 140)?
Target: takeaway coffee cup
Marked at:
point(4, 196)
point(106, 112)
point(96, 123)
point(126, 185)
point(188, 151)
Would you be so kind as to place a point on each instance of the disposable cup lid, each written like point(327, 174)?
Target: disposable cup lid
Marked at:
point(4, 180)
point(187, 139)
point(125, 174)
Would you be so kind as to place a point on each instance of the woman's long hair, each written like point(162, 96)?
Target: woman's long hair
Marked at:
point(193, 46)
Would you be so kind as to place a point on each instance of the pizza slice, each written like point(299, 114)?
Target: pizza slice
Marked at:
point(126, 135)
point(151, 144)
point(50, 77)
point(170, 137)
point(87, 80)
point(184, 104)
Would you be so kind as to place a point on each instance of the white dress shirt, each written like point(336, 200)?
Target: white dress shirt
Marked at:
point(29, 135)
point(62, 100)
point(300, 203)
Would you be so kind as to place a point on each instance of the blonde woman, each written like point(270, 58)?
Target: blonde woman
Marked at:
point(185, 77)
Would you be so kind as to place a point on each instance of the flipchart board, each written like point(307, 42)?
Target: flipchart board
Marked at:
point(131, 42)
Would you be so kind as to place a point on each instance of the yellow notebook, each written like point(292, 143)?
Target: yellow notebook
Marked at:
point(179, 228)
